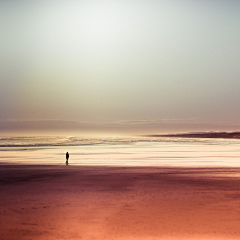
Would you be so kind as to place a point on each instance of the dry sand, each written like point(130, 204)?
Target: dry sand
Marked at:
point(73, 202)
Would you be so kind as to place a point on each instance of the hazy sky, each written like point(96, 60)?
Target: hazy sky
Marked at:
point(150, 65)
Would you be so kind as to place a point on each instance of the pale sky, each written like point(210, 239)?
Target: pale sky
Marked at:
point(143, 65)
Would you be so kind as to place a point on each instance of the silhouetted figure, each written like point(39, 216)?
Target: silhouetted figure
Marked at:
point(67, 157)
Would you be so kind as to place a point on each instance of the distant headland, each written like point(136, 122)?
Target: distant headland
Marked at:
point(235, 135)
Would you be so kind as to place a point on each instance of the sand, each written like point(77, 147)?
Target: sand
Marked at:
point(76, 202)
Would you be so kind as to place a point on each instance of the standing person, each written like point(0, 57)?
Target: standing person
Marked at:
point(67, 157)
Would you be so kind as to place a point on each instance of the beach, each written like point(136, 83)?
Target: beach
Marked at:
point(119, 120)
point(109, 202)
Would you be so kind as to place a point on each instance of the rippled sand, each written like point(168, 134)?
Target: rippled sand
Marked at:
point(94, 202)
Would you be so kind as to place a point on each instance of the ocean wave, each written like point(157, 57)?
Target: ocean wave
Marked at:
point(13, 142)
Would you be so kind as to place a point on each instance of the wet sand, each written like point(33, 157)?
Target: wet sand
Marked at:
point(76, 202)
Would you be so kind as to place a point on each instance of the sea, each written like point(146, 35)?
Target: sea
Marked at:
point(121, 151)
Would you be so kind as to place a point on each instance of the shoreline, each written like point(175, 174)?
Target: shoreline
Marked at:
point(94, 202)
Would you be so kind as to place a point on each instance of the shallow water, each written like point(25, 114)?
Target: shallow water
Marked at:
point(183, 152)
